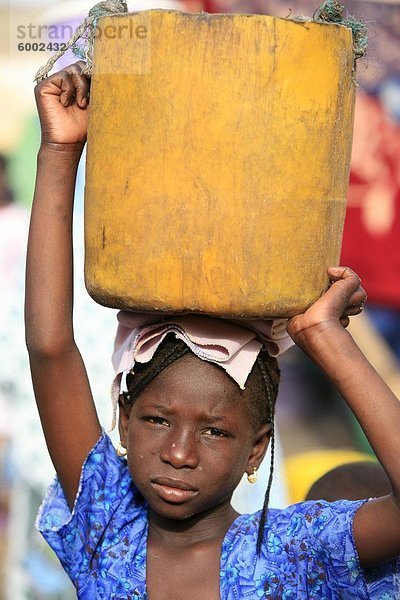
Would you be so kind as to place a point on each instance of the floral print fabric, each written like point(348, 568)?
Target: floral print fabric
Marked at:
point(309, 550)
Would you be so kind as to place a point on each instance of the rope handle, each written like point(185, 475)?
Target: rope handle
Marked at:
point(86, 31)
point(330, 11)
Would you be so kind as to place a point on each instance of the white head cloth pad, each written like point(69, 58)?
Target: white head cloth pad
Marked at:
point(233, 345)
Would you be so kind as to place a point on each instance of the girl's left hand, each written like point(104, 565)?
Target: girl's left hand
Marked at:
point(344, 298)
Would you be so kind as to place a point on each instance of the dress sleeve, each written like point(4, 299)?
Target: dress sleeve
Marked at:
point(105, 492)
point(330, 526)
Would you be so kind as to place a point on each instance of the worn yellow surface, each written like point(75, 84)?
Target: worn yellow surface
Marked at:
point(217, 165)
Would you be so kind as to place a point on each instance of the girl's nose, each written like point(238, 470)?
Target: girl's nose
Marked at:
point(180, 449)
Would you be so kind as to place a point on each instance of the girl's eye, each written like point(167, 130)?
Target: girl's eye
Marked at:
point(214, 432)
point(156, 421)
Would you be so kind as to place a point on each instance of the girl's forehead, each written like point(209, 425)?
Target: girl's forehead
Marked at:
point(191, 374)
point(196, 386)
point(208, 398)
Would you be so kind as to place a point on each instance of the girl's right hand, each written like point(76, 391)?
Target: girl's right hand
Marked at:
point(62, 102)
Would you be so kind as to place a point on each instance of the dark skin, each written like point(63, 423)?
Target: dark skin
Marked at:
point(180, 439)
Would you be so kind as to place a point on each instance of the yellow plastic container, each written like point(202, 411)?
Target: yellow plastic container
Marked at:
point(218, 163)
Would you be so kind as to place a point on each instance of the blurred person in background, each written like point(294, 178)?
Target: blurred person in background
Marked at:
point(13, 223)
point(13, 220)
point(372, 231)
point(351, 481)
point(18, 470)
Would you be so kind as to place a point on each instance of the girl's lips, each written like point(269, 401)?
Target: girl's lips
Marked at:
point(175, 495)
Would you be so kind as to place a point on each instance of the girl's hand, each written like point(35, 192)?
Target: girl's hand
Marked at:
point(62, 102)
point(344, 298)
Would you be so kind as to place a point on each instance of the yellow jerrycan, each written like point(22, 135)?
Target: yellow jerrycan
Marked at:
point(217, 163)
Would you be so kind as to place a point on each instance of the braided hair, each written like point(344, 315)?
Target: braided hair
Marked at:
point(259, 396)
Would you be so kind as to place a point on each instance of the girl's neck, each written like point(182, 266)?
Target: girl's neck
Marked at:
point(208, 526)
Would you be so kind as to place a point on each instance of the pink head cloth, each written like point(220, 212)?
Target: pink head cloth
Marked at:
point(233, 345)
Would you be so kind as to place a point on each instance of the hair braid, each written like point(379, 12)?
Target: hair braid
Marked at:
point(271, 390)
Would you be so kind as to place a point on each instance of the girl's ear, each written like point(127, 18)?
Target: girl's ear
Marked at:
point(123, 421)
point(260, 447)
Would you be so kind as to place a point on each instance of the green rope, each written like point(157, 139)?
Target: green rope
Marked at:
point(86, 32)
point(331, 11)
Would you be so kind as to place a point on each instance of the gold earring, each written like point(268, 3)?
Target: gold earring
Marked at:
point(252, 478)
point(121, 450)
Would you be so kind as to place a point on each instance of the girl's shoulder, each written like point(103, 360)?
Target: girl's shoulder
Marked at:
point(306, 546)
point(315, 515)
point(310, 515)
point(308, 551)
point(299, 527)
point(109, 518)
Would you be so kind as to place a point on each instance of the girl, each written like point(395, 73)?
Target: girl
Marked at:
point(159, 525)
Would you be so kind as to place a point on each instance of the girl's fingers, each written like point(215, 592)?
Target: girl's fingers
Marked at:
point(346, 288)
point(67, 88)
point(70, 84)
point(348, 279)
point(359, 297)
point(343, 273)
point(347, 284)
point(81, 83)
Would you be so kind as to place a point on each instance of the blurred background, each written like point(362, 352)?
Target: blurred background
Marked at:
point(316, 430)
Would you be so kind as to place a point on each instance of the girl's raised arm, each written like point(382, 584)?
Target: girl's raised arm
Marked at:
point(60, 382)
point(320, 334)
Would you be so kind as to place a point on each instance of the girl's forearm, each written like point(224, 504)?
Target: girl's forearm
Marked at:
point(49, 274)
point(374, 405)
point(59, 377)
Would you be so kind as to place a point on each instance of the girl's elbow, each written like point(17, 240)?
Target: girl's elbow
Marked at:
point(48, 349)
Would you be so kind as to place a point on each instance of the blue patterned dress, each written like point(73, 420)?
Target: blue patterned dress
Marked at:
point(309, 549)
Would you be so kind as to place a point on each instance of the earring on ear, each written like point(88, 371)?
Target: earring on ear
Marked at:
point(121, 450)
point(252, 478)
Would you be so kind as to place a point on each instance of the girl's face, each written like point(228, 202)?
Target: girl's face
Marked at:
point(189, 439)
